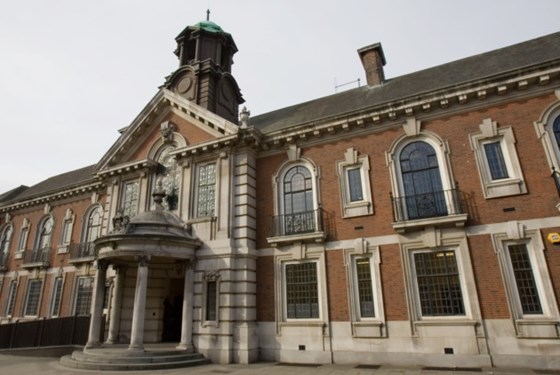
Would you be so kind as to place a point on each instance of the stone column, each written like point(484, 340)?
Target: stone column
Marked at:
point(116, 306)
point(137, 333)
point(97, 305)
point(187, 318)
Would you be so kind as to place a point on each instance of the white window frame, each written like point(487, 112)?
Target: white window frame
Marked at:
point(365, 326)
point(210, 277)
point(528, 325)
point(66, 234)
point(351, 162)
point(434, 239)
point(23, 237)
point(77, 291)
point(199, 166)
point(545, 132)
point(514, 184)
point(39, 246)
point(26, 306)
point(11, 300)
point(56, 296)
point(299, 253)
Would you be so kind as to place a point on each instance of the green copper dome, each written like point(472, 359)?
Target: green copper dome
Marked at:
point(209, 26)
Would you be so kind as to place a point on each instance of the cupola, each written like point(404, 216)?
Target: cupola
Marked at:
point(205, 53)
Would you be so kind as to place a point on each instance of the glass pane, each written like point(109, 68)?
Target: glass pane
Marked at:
point(130, 200)
point(56, 297)
point(524, 279)
point(355, 185)
point(496, 163)
point(302, 296)
point(206, 191)
point(211, 300)
point(439, 288)
point(33, 294)
point(83, 295)
point(556, 128)
point(365, 289)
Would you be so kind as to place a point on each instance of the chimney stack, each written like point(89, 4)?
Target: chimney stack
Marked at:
point(373, 61)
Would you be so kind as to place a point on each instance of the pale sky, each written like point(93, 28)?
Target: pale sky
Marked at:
point(73, 72)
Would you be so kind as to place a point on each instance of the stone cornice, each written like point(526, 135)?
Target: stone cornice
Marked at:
point(121, 169)
point(424, 105)
point(54, 195)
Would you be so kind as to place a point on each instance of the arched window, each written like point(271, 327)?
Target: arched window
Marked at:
point(421, 181)
point(168, 172)
point(556, 130)
point(45, 233)
point(93, 229)
point(298, 207)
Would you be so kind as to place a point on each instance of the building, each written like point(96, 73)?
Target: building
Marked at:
point(409, 221)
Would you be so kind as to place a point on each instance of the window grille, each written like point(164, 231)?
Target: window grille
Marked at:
point(439, 288)
point(130, 199)
point(33, 296)
point(206, 190)
point(524, 279)
point(84, 291)
point(302, 296)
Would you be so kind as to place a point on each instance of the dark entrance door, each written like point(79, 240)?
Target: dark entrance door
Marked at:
point(172, 311)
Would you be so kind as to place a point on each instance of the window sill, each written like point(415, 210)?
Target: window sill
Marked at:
point(318, 237)
point(18, 255)
point(504, 188)
point(542, 328)
point(355, 209)
point(63, 249)
point(368, 329)
point(458, 221)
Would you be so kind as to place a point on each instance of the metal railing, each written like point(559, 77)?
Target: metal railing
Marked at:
point(427, 205)
point(82, 250)
point(37, 256)
point(70, 330)
point(296, 223)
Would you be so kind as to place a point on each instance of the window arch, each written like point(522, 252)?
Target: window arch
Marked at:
point(297, 207)
point(424, 192)
point(93, 223)
point(44, 233)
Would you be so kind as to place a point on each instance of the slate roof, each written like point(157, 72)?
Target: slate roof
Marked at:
point(475, 68)
point(471, 69)
point(56, 183)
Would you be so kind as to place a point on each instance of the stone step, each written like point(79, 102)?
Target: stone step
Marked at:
point(119, 361)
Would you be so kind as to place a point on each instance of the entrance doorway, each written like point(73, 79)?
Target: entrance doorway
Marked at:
point(173, 311)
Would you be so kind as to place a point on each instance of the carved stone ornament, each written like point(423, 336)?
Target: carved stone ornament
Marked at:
point(211, 275)
point(120, 222)
point(167, 128)
point(244, 117)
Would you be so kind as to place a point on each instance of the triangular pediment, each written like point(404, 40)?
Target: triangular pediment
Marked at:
point(191, 123)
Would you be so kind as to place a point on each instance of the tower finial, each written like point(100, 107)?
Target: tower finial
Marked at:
point(207, 14)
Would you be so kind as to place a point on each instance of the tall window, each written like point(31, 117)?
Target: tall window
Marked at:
point(93, 229)
point(168, 172)
point(66, 232)
point(23, 234)
point(206, 190)
point(365, 288)
point(211, 295)
point(5, 238)
point(45, 233)
point(11, 298)
point(84, 290)
point(527, 291)
point(56, 297)
point(130, 199)
point(353, 179)
point(355, 184)
point(439, 287)
point(298, 210)
point(33, 296)
point(421, 179)
point(302, 294)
